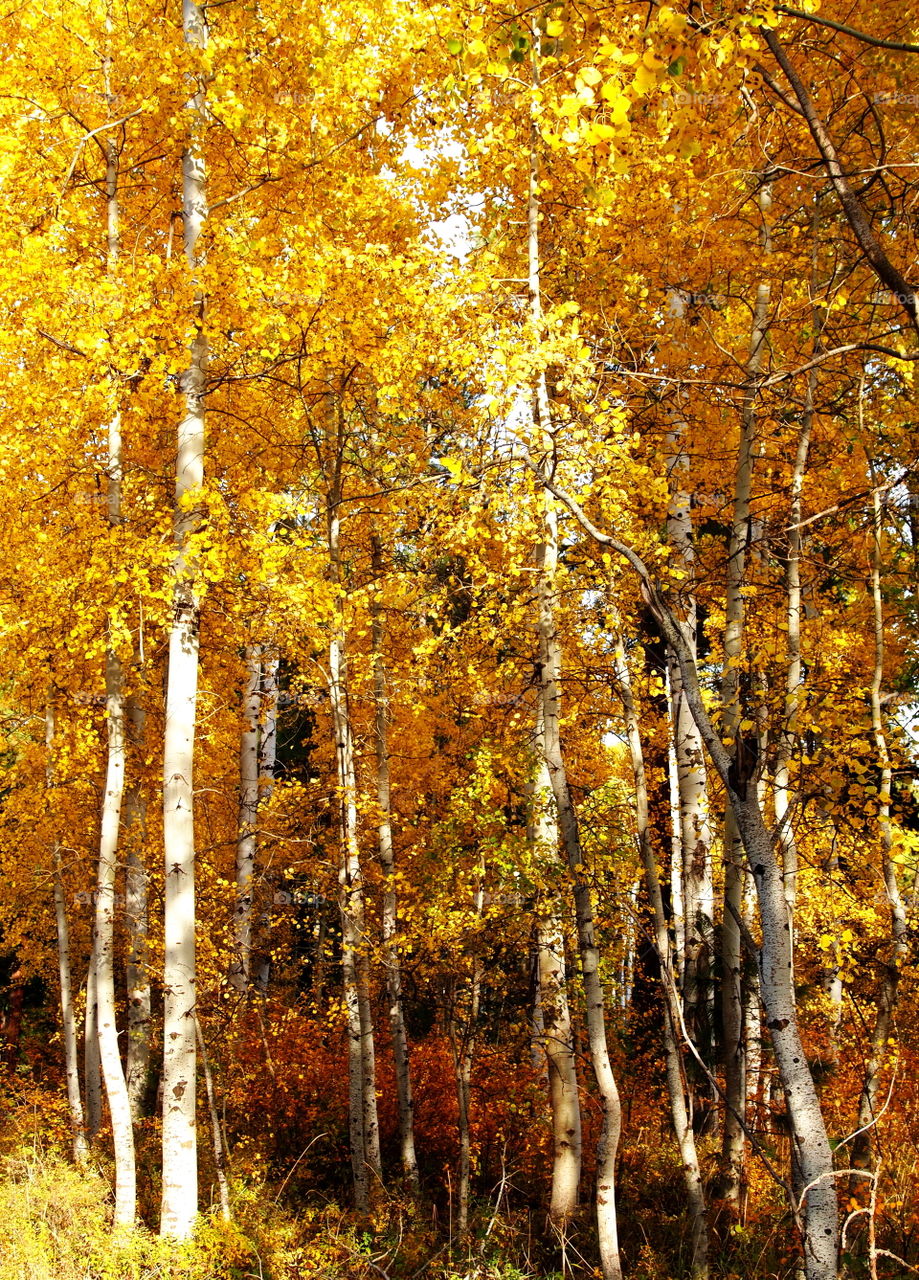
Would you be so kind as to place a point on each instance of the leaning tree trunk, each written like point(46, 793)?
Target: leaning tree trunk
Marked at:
point(180, 1153)
point(814, 1156)
point(68, 1020)
point(391, 956)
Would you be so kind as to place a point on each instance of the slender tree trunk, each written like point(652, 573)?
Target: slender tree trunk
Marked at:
point(557, 1041)
point(462, 1043)
point(180, 1156)
point(68, 1020)
point(92, 1066)
point(220, 1158)
point(550, 699)
point(137, 973)
point(676, 1082)
point(110, 1055)
point(695, 838)
point(863, 1144)
point(364, 1127)
point(732, 1001)
point(814, 1155)
point(391, 957)
point(248, 821)
point(267, 757)
point(109, 1052)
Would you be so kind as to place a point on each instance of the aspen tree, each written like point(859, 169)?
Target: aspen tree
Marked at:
point(180, 1157)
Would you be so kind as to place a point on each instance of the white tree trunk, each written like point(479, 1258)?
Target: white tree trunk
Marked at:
point(899, 932)
point(109, 1052)
point(550, 697)
point(676, 1083)
point(364, 1126)
point(733, 1139)
point(68, 1020)
point(92, 1066)
point(557, 1041)
point(812, 1147)
point(248, 821)
point(137, 972)
point(391, 956)
point(180, 1154)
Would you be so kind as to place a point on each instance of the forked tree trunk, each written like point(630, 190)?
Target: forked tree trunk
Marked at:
point(391, 956)
point(180, 1139)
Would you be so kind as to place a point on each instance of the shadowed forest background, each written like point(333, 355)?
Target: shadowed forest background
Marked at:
point(458, 813)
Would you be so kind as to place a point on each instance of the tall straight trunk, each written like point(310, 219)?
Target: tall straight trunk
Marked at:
point(732, 994)
point(555, 1013)
point(391, 956)
point(695, 837)
point(92, 1065)
point(109, 1052)
point(814, 1156)
point(362, 1103)
point(180, 1150)
point(137, 971)
point(550, 699)
point(267, 758)
point(68, 1020)
point(676, 1082)
point(462, 1045)
point(248, 820)
point(890, 984)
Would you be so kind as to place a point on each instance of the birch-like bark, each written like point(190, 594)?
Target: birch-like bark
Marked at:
point(697, 894)
point(462, 1045)
point(732, 1000)
point(248, 821)
point(391, 956)
point(889, 993)
point(812, 1148)
point(68, 1019)
point(180, 1154)
point(137, 971)
point(109, 1053)
point(362, 1103)
point(555, 1014)
point(550, 699)
point(92, 1065)
point(676, 1083)
point(267, 757)
point(107, 1028)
